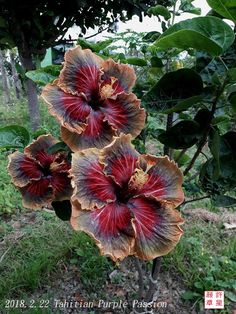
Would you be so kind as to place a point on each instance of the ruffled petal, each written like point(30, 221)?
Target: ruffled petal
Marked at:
point(61, 185)
point(124, 114)
point(38, 149)
point(111, 228)
point(37, 194)
point(124, 74)
point(81, 72)
point(60, 164)
point(23, 169)
point(98, 133)
point(120, 159)
point(156, 227)
point(70, 110)
point(92, 187)
point(164, 181)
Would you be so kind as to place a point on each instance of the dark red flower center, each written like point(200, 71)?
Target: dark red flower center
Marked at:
point(124, 193)
point(46, 172)
point(95, 101)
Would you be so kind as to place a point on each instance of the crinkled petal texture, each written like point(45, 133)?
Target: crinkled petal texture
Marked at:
point(92, 100)
point(110, 227)
point(163, 179)
point(92, 187)
point(110, 201)
point(156, 226)
point(40, 176)
point(81, 72)
point(124, 114)
point(97, 133)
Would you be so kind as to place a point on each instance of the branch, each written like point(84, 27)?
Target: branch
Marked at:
point(192, 177)
point(153, 278)
point(140, 278)
point(181, 154)
point(198, 151)
point(168, 150)
point(99, 32)
point(195, 199)
point(206, 133)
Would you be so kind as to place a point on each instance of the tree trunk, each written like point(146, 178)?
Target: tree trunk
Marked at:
point(17, 83)
point(31, 91)
point(6, 90)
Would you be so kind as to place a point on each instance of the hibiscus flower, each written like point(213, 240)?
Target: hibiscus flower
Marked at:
point(126, 201)
point(41, 177)
point(92, 100)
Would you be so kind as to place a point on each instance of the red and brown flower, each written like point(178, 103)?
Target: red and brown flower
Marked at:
point(126, 201)
point(40, 176)
point(92, 100)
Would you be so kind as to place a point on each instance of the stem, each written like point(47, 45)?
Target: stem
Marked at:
point(192, 177)
point(198, 151)
point(167, 150)
point(224, 64)
point(156, 264)
point(208, 128)
point(153, 278)
point(174, 12)
point(140, 278)
point(99, 32)
point(195, 199)
point(183, 151)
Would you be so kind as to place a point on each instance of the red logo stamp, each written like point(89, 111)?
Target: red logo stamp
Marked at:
point(214, 299)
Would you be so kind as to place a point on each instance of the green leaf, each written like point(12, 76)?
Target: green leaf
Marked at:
point(61, 146)
point(173, 87)
point(223, 201)
point(160, 10)
point(188, 7)
point(14, 136)
point(95, 47)
point(101, 45)
point(232, 74)
point(185, 104)
point(232, 100)
point(230, 295)
point(189, 295)
point(226, 181)
point(44, 75)
point(62, 209)
point(39, 77)
point(156, 62)
point(84, 44)
point(182, 135)
point(151, 36)
point(220, 119)
point(136, 61)
point(201, 33)
point(226, 8)
point(54, 70)
point(182, 160)
point(203, 118)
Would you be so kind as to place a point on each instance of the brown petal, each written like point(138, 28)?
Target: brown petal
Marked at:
point(110, 226)
point(156, 226)
point(92, 187)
